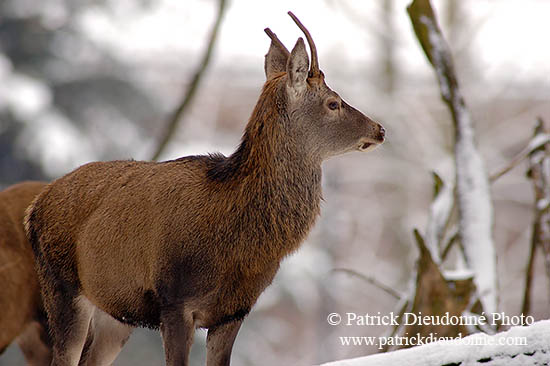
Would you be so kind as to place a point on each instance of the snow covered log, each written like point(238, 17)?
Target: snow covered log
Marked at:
point(472, 183)
point(519, 346)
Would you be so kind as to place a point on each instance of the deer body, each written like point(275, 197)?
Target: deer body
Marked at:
point(194, 241)
point(22, 318)
point(200, 219)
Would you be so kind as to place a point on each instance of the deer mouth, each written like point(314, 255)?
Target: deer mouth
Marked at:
point(367, 146)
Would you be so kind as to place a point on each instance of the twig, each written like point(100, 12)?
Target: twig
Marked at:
point(373, 281)
point(453, 238)
point(539, 172)
point(526, 306)
point(404, 305)
point(537, 141)
point(177, 115)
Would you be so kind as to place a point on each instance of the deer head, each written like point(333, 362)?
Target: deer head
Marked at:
point(327, 125)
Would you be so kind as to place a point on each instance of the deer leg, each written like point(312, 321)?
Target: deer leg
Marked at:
point(69, 320)
point(107, 336)
point(34, 344)
point(219, 343)
point(177, 329)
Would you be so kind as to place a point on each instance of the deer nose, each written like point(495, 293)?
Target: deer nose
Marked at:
point(382, 131)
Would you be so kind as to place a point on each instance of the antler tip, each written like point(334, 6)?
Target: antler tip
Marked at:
point(294, 17)
point(314, 61)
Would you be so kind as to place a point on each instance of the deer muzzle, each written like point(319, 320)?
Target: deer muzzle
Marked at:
point(375, 138)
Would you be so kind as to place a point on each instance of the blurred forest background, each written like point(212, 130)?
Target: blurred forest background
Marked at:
point(85, 80)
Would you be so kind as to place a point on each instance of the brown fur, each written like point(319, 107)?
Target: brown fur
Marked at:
point(194, 241)
point(22, 318)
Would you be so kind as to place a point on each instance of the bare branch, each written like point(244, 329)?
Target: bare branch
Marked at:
point(526, 305)
point(537, 141)
point(539, 172)
point(404, 305)
point(452, 239)
point(179, 112)
point(373, 281)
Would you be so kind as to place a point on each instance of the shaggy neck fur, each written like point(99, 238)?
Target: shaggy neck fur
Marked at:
point(273, 174)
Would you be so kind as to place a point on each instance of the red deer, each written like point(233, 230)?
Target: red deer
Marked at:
point(22, 317)
point(193, 242)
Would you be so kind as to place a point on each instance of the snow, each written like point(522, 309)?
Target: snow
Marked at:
point(25, 96)
point(458, 274)
point(476, 211)
point(72, 148)
point(519, 346)
point(543, 204)
point(537, 141)
point(439, 53)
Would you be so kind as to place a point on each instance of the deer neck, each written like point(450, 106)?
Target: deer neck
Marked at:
point(282, 188)
point(272, 151)
point(275, 177)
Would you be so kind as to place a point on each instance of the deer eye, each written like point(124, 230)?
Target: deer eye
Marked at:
point(334, 105)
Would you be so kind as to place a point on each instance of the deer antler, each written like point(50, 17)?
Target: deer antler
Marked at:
point(314, 69)
point(276, 40)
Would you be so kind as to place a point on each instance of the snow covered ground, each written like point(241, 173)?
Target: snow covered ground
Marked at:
point(519, 346)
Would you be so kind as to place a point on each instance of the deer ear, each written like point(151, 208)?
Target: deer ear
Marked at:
point(275, 60)
point(297, 67)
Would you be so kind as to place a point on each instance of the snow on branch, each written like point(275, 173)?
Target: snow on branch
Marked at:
point(519, 346)
point(440, 213)
point(536, 142)
point(472, 184)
